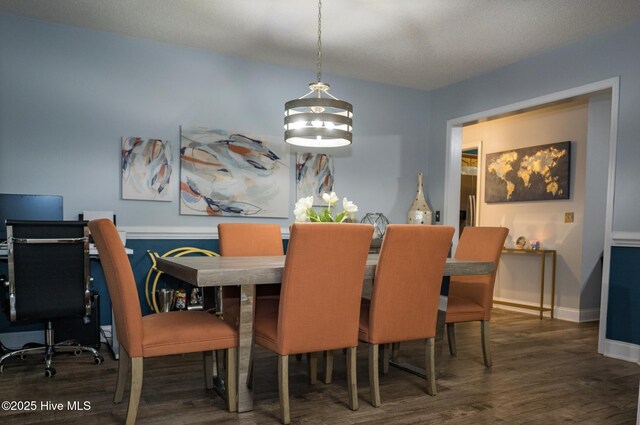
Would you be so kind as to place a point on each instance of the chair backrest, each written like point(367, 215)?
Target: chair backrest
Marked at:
point(249, 239)
point(479, 244)
point(406, 289)
point(48, 269)
point(322, 286)
point(121, 284)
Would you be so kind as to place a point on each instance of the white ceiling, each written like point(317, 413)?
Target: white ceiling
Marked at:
point(422, 44)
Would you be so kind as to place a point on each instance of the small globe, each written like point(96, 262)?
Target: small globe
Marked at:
point(379, 222)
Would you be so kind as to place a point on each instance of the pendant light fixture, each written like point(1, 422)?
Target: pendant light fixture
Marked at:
point(318, 119)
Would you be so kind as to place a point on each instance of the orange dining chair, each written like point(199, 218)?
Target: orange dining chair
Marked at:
point(471, 297)
point(160, 334)
point(248, 240)
point(319, 299)
point(242, 240)
point(405, 296)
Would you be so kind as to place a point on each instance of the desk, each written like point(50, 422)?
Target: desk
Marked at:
point(543, 257)
point(251, 271)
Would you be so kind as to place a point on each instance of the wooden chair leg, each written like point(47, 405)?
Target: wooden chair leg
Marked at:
point(328, 366)
point(451, 337)
point(430, 366)
point(352, 381)
point(386, 353)
point(395, 350)
point(232, 380)
point(283, 388)
point(219, 354)
point(123, 370)
point(207, 362)
point(136, 389)
point(486, 344)
point(374, 386)
point(312, 365)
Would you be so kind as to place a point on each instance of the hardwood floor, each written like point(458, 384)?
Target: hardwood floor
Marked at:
point(544, 372)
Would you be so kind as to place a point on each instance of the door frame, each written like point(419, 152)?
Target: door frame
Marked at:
point(454, 152)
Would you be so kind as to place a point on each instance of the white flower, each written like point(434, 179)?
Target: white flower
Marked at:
point(301, 215)
point(330, 199)
point(349, 206)
point(302, 208)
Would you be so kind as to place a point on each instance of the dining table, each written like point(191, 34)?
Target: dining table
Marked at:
point(247, 272)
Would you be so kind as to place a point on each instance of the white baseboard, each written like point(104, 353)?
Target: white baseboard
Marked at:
point(561, 313)
point(15, 340)
point(621, 350)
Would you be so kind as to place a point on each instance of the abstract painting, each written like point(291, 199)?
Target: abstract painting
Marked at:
point(535, 173)
point(229, 173)
point(147, 167)
point(314, 176)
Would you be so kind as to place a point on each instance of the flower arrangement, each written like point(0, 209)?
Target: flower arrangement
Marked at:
point(304, 209)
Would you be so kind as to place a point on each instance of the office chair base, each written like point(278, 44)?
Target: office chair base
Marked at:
point(49, 349)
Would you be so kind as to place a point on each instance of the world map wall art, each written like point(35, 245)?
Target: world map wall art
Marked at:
point(229, 173)
point(536, 173)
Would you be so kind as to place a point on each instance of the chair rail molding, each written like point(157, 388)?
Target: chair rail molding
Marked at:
point(629, 239)
point(178, 232)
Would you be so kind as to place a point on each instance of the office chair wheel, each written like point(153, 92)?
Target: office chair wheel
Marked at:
point(98, 359)
point(49, 372)
point(1, 368)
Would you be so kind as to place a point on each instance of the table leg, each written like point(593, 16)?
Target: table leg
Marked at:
point(245, 340)
point(544, 261)
point(245, 334)
point(553, 282)
point(440, 329)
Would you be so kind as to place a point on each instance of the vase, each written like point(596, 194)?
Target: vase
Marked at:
point(379, 222)
point(420, 212)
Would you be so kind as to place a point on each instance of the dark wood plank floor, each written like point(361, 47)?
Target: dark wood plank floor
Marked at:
point(545, 372)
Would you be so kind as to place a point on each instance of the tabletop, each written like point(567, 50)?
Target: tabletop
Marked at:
point(224, 271)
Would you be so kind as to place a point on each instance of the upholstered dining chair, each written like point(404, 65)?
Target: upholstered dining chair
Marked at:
point(405, 296)
point(319, 299)
point(248, 240)
point(471, 297)
point(160, 334)
point(243, 240)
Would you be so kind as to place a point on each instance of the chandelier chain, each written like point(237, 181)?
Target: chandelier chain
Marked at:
point(319, 59)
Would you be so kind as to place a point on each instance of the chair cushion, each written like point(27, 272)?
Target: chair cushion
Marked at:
point(179, 332)
point(463, 310)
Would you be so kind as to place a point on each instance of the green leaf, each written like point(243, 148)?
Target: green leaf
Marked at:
point(341, 217)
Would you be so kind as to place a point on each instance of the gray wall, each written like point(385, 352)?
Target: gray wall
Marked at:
point(68, 95)
point(610, 54)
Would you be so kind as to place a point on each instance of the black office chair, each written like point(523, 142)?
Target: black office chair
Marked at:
point(48, 279)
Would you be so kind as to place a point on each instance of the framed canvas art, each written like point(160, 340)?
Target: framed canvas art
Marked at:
point(535, 173)
point(229, 173)
point(146, 169)
point(314, 176)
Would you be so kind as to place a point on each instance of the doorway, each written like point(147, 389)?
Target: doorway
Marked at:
point(454, 158)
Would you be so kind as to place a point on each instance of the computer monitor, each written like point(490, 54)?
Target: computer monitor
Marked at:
point(28, 207)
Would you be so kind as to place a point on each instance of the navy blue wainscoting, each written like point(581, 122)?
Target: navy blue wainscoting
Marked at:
point(623, 314)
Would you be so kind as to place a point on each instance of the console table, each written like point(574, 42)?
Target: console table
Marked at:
point(543, 257)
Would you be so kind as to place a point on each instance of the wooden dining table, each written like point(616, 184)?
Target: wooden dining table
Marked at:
point(247, 272)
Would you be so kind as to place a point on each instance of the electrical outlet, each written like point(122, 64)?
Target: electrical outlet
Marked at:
point(568, 217)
